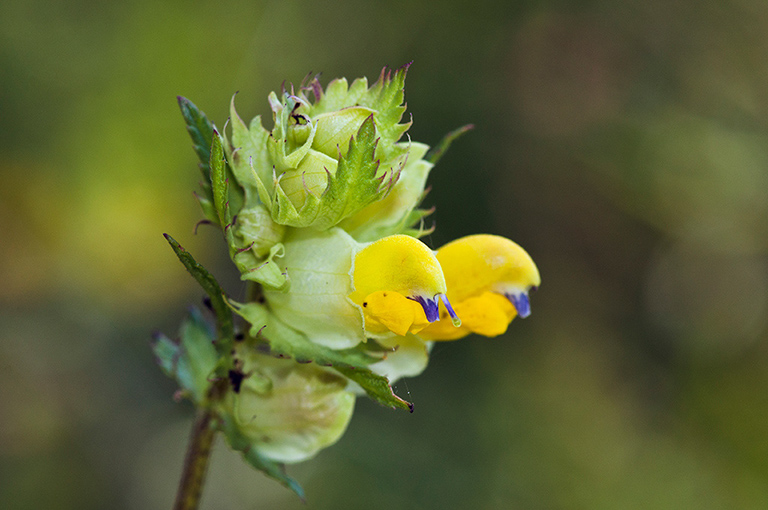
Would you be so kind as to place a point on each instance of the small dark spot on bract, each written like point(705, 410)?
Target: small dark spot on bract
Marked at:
point(384, 294)
point(365, 303)
point(236, 378)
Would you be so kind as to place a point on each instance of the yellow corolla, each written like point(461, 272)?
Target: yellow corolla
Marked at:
point(398, 283)
point(488, 279)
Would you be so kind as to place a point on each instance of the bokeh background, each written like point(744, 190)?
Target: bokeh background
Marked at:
point(624, 144)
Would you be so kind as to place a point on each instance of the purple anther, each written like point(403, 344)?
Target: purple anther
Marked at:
point(430, 307)
point(521, 303)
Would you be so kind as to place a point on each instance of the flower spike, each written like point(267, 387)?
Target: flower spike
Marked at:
point(321, 216)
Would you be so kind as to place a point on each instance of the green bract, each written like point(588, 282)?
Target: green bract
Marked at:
point(325, 160)
point(290, 411)
point(320, 215)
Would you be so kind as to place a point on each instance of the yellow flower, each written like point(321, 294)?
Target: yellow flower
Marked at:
point(398, 284)
point(488, 279)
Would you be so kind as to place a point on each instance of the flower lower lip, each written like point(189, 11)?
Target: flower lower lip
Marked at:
point(521, 303)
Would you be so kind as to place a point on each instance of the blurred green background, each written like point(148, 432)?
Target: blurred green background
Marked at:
point(623, 144)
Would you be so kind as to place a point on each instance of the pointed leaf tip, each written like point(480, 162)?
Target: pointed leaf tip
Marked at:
point(436, 153)
point(211, 287)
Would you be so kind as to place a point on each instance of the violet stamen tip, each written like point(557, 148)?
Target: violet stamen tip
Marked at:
point(454, 318)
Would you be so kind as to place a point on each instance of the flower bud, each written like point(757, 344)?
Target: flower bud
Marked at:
point(257, 231)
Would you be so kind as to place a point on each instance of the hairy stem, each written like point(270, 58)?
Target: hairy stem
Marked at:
point(196, 462)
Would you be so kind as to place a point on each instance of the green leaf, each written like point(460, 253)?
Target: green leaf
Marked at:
point(201, 130)
point(437, 152)
point(251, 455)
point(376, 386)
point(211, 287)
point(191, 359)
point(166, 352)
point(352, 363)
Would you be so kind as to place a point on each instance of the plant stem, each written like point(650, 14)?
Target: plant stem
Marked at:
point(196, 462)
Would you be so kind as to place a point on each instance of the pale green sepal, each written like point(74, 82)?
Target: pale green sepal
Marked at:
point(334, 129)
point(237, 441)
point(408, 357)
point(219, 182)
point(286, 341)
point(338, 95)
point(318, 265)
point(191, 359)
point(257, 231)
point(285, 212)
point(249, 157)
point(352, 363)
point(310, 178)
point(266, 272)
